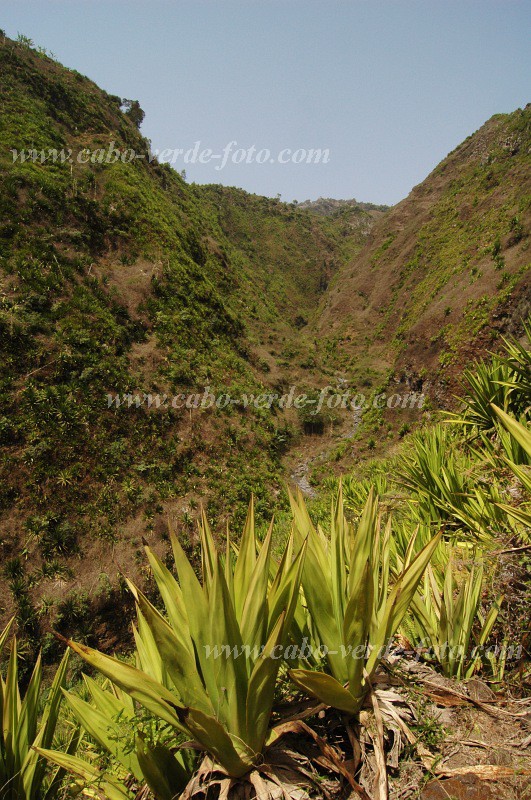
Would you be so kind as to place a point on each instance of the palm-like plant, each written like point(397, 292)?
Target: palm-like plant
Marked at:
point(356, 491)
point(111, 720)
point(518, 358)
point(217, 650)
point(444, 618)
point(5, 633)
point(354, 603)
point(521, 436)
point(504, 381)
point(27, 722)
point(446, 484)
point(486, 383)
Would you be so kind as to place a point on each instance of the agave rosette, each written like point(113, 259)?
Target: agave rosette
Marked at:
point(217, 649)
point(354, 603)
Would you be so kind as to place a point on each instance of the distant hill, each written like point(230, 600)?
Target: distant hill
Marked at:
point(329, 207)
point(355, 216)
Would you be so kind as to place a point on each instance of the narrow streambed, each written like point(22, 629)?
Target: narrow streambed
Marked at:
point(299, 475)
point(300, 478)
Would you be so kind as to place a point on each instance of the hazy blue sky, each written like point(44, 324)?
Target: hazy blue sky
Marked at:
point(388, 87)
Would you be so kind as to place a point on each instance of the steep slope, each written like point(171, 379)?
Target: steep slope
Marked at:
point(447, 268)
point(120, 278)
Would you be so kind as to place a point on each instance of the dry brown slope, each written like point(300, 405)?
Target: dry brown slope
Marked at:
point(448, 267)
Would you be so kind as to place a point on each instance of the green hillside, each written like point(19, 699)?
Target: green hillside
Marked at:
point(442, 277)
point(120, 279)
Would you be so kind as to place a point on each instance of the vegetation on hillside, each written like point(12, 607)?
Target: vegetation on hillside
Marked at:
point(408, 572)
point(447, 269)
point(120, 279)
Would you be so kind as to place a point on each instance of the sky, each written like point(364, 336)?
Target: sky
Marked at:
point(387, 87)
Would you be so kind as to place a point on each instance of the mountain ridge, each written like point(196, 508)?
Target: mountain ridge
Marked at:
point(461, 235)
